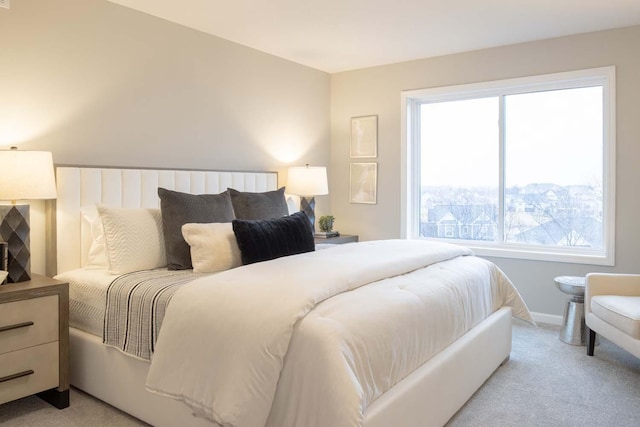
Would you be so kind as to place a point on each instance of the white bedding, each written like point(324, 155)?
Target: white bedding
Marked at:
point(125, 311)
point(87, 297)
point(225, 338)
point(352, 365)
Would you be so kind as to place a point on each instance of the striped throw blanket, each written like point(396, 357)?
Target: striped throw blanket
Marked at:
point(136, 304)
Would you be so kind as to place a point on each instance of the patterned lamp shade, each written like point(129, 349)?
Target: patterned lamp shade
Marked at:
point(24, 175)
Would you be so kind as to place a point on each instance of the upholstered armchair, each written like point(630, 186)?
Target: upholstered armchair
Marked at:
point(612, 309)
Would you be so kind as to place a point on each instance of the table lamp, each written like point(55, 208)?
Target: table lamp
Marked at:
point(307, 182)
point(24, 175)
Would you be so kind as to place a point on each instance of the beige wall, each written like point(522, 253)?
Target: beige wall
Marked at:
point(377, 91)
point(100, 84)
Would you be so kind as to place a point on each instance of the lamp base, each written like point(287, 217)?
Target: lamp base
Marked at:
point(308, 205)
point(14, 229)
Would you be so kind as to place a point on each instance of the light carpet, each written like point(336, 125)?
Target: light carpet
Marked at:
point(549, 383)
point(545, 383)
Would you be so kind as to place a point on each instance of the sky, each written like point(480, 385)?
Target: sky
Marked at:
point(551, 137)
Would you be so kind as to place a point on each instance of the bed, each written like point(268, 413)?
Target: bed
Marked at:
point(437, 378)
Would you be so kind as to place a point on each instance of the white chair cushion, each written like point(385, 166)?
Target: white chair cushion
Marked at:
point(622, 312)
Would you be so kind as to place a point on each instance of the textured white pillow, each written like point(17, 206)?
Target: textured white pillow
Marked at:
point(133, 239)
point(97, 257)
point(213, 246)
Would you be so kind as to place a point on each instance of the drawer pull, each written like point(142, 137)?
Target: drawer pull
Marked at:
point(16, 326)
point(18, 375)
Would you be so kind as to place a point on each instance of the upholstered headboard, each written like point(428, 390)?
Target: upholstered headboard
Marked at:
point(84, 186)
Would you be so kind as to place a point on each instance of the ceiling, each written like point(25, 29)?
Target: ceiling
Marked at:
point(340, 35)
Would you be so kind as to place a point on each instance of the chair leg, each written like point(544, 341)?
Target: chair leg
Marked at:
point(591, 342)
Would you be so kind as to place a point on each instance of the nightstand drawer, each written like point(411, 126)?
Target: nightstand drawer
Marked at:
point(28, 371)
point(28, 322)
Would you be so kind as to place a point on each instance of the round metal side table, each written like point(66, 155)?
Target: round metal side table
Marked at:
point(573, 330)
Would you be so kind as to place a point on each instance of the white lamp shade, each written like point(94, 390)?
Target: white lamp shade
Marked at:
point(26, 175)
point(307, 181)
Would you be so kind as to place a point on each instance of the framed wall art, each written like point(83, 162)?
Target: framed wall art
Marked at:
point(363, 183)
point(364, 137)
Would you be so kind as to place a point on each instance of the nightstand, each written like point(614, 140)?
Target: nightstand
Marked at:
point(338, 240)
point(34, 340)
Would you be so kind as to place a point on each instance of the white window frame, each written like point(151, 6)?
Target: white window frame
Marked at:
point(410, 160)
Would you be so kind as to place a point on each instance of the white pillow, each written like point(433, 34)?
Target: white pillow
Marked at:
point(213, 246)
point(133, 239)
point(293, 203)
point(97, 257)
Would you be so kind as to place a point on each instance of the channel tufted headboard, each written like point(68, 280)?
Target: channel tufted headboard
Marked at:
point(131, 188)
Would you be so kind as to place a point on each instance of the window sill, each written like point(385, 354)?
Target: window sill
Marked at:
point(536, 254)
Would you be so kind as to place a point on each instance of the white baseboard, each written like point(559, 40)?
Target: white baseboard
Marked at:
point(551, 319)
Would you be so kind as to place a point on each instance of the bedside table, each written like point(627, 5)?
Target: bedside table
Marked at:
point(338, 240)
point(34, 340)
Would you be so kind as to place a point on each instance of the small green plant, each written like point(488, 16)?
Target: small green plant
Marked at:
point(326, 223)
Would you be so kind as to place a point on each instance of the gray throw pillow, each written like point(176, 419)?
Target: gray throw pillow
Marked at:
point(270, 204)
point(183, 208)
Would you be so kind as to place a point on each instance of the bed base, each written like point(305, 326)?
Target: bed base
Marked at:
point(429, 396)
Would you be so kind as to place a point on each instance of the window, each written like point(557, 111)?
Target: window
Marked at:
point(518, 168)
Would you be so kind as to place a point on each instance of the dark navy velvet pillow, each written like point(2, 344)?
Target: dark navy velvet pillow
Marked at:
point(262, 240)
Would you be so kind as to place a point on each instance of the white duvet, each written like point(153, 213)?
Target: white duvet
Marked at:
point(233, 346)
